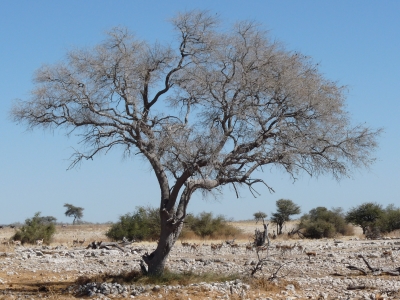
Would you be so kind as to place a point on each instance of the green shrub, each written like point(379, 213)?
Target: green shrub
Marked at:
point(366, 215)
point(206, 225)
point(36, 228)
point(390, 219)
point(321, 222)
point(143, 224)
point(319, 229)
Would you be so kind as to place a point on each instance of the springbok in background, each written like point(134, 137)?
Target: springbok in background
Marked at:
point(16, 243)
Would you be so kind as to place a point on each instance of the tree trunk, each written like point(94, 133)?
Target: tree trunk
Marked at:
point(157, 259)
point(280, 229)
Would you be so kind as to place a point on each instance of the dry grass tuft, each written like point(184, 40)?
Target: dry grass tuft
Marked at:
point(394, 234)
point(263, 283)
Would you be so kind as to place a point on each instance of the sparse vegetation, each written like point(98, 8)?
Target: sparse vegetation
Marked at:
point(36, 228)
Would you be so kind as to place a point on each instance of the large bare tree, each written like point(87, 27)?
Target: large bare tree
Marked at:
point(205, 111)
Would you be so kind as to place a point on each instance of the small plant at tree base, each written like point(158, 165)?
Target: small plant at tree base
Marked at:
point(36, 228)
point(74, 211)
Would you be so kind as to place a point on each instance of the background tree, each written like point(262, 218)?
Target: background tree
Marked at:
point(205, 111)
point(365, 215)
point(74, 211)
point(259, 216)
point(285, 209)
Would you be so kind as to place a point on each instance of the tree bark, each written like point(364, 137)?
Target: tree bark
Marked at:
point(158, 258)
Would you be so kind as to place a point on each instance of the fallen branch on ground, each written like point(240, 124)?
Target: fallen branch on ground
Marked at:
point(103, 245)
point(374, 271)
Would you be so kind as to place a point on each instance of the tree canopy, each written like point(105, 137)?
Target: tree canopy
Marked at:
point(259, 216)
point(285, 209)
point(74, 211)
point(205, 111)
point(365, 215)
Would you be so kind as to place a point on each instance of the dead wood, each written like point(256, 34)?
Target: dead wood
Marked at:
point(354, 268)
point(368, 265)
point(230, 242)
point(356, 287)
point(261, 236)
point(103, 245)
point(125, 242)
point(374, 271)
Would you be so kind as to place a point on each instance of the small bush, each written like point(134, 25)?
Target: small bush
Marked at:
point(206, 225)
point(323, 223)
point(390, 220)
point(143, 224)
point(319, 229)
point(36, 228)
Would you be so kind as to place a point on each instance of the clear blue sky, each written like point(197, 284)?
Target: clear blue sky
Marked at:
point(356, 43)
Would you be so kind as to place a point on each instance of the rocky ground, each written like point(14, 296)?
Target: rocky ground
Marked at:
point(33, 272)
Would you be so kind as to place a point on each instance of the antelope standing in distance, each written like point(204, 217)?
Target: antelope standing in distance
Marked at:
point(311, 253)
point(249, 247)
point(195, 247)
point(287, 248)
point(388, 254)
point(75, 242)
point(16, 243)
point(215, 247)
point(300, 248)
point(185, 244)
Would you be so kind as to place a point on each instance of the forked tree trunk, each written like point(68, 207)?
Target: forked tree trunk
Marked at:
point(171, 221)
point(280, 229)
point(158, 258)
